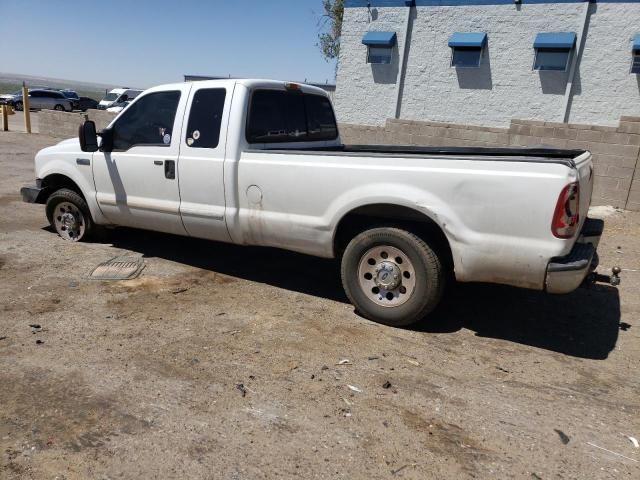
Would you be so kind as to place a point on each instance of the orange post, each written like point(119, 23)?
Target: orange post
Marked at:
point(25, 108)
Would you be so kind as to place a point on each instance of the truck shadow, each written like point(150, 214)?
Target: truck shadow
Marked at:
point(582, 324)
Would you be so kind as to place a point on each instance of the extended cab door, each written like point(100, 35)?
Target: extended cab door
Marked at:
point(202, 155)
point(137, 183)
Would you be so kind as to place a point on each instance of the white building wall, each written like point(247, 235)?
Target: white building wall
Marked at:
point(505, 86)
point(604, 89)
point(366, 94)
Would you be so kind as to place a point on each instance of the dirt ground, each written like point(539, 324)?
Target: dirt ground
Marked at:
point(227, 362)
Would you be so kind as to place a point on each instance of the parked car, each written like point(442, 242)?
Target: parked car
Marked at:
point(118, 107)
point(261, 163)
point(73, 97)
point(118, 95)
point(87, 103)
point(43, 99)
point(6, 98)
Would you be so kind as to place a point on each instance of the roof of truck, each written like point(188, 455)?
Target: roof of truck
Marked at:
point(250, 83)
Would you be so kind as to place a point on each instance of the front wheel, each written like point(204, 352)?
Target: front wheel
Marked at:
point(19, 106)
point(69, 214)
point(59, 108)
point(392, 276)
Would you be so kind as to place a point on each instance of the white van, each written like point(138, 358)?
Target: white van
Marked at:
point(118, 95)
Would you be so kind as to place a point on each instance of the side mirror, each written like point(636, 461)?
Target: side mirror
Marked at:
point(88, 137)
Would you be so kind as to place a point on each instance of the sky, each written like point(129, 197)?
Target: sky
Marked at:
point(144, 43)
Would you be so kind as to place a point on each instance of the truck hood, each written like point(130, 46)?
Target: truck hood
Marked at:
point(68, 142)
point(60, 150)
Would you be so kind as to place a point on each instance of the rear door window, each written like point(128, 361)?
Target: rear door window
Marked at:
point(205, 118)
point(277, 116)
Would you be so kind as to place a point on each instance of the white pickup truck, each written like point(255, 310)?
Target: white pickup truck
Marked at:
point(257, 162)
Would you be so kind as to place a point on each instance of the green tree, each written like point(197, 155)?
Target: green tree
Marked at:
point(331, 26)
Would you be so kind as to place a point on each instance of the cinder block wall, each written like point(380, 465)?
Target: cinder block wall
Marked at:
point(615, 149)
point(65, 125)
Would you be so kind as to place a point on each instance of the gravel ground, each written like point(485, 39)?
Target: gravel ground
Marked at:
point(229, 362)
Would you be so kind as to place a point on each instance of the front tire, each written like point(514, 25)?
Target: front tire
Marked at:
point(69, 215)
point(59, 108)
point(19, 106)
point(392, 276)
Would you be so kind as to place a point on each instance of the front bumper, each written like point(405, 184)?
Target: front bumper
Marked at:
point(34, 193)
point(565, 274)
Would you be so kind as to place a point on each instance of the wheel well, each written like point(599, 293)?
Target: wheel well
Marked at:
point(57, 181)
point(389, 215)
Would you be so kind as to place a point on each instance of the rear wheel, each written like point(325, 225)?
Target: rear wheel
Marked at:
point(69, 214)
point(19, 106)
point(392, 276)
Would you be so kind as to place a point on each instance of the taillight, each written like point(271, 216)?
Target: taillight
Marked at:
point(567, 214)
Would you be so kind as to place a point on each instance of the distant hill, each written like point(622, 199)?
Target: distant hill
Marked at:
point(10, 82)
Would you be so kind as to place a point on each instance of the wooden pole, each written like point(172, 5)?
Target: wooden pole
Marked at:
point(5, 118)
point(25, 108)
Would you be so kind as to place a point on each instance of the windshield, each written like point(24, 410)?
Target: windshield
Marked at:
point(70, 94)
point(111, 97)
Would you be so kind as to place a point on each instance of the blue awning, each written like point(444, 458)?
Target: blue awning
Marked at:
point(460, 39)
point(636, 42)
point(561, 40)
point(379, 39)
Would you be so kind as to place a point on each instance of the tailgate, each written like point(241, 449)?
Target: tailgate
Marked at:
point(584, 165)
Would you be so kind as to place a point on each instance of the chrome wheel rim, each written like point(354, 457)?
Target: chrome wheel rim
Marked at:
point(386, 276)
point(69, 221)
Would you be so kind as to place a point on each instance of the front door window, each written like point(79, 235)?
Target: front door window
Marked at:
point(149, 121)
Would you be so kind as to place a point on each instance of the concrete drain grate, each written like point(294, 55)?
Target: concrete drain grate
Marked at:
point(118, 268)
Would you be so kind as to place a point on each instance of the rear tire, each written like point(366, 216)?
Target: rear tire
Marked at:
point(392, 276)
point(69, 215)
point(19, 106)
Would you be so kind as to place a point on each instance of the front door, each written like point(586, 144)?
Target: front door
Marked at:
point(137, 183)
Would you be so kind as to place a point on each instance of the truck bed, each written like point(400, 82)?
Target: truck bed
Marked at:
point(507, 154)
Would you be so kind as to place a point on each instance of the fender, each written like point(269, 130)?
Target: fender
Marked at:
point(49, 165)
point(426, 203)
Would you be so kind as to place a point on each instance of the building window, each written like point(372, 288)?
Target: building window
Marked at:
point(635, 56)
point(380, 46)
point(553, 50)
point(467, 49)
point(380, 55)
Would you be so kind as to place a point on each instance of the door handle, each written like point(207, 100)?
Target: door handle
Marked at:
point(170, 169)
point(158, 162)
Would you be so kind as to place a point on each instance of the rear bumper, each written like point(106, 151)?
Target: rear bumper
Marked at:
point(565, 274)
point(33, 193)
